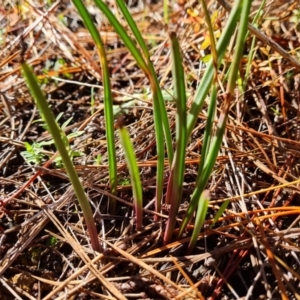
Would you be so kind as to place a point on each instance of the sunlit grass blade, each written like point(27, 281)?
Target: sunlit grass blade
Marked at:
point(208, 134)
point(161, 122)
point(238, 53)
point(124, 36)
point(212, 39)
point(166, 11)
point(62, 145)
point(156, 90)
point(174, 190)
point(134, 28)
point(207, 78)
point(217, 139)
point(161, 125)
point(219, 213)
point(159, 135)
point(203, 177)
point(253, 47)
point(108, 101)
point(212, 102)
point(133, 172)
point(207, 167)
point(162, 128)
point(159, 102)
point(200, 219)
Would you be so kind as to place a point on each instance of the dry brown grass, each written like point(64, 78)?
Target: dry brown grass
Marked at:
point(252, 251)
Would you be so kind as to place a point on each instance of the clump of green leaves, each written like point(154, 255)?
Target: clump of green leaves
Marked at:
point(185, 121)
point(34, 153)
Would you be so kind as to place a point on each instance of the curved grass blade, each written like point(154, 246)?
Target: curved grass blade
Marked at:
point(133, 172)
point(62, 145)
point(217, 139)
point(153, 78)
point(134, 28)
point(108, 101)
point(124, 36)
point(159, 135)
point(200, 219)
point(156, 90)
point(219, 213)
point(203, 177)
point(206, 80)
point(253, 49)
point(161, 122)
point(160, 115)
point(174, 190)
point(212, 103)
point(212, 40)
point(200, 181)
point(159, 102)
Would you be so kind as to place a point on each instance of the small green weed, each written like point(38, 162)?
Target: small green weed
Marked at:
point(52, 241)
point(35, 153)
point(98, 160)
point(123, 181)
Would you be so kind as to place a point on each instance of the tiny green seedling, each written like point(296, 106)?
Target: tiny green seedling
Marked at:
point(52, 241)
point(35, 153)
point(98, 160)
point(123, 181)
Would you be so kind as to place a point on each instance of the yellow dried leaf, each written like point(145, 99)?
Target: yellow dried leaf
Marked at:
point(214, 18)
point(193, 12)
point(206, 42)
